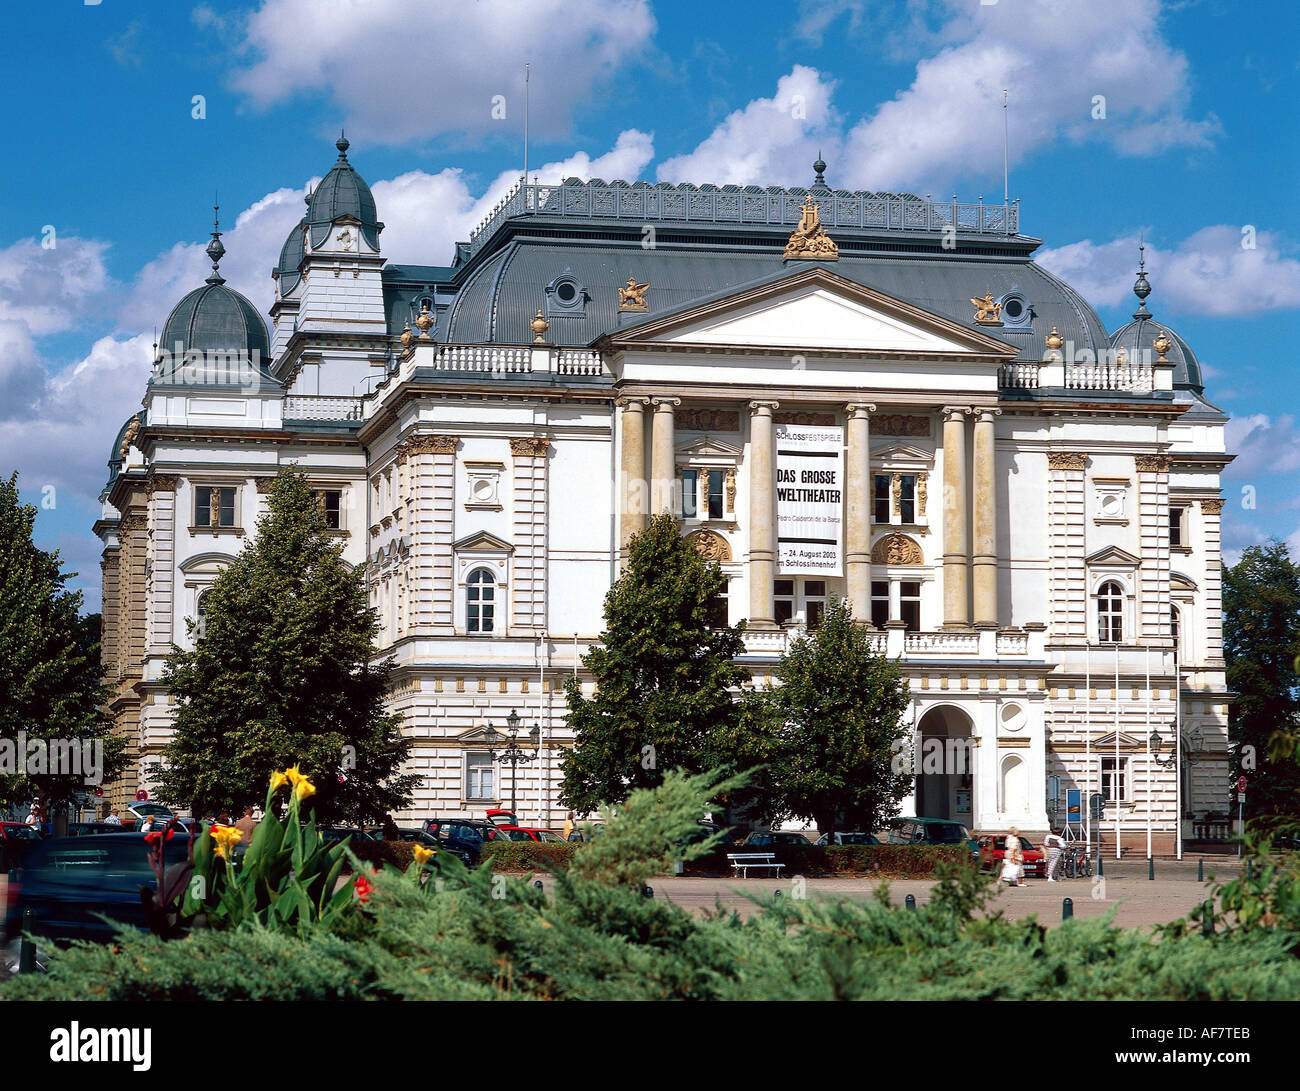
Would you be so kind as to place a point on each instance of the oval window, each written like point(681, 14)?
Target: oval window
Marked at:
point(566, 291)
point(1014, 308)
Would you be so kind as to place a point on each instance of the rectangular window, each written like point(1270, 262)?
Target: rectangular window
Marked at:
point(907, 506)
point(214, 507)
point(1113, 781)
point(880, 512)
point(332, 505)
point(814, 599)
point(783, 600)
point(690, 493)
point(479, 779)
point(1176, 527)
point(909, 604)
point(879, 603)
point(719, 616)
point(716, 478)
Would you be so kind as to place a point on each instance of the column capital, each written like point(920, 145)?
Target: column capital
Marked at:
point(660, 403)
point(758, 407)
point(860, 410)
point(632, 401)
point(986, 413)
point(1066, 460)
point(1151, 464)
point(955, 412)
point(1212, 506)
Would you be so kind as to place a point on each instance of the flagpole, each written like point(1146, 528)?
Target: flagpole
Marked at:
point(1178, 754)
point(1148, 735)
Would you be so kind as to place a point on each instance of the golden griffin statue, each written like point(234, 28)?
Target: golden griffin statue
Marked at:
point(632, 298)
point(987, 313)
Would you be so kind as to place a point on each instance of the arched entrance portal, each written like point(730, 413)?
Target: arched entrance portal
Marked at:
point(945, 766)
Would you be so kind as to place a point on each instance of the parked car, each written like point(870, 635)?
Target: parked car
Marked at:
point(855, 838)
point(87, 829)
point(768, 838)
point(465, 834)
point(70, 881)
point(420, 837)
point(16, 840)
point(993, 850)
point(342, 833)
point(929, 831)
point(525, 833)
point(499, 816)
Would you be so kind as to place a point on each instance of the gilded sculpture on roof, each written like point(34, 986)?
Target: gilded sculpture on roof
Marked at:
point(987, 311)
point(632, 298)
point(809, 240)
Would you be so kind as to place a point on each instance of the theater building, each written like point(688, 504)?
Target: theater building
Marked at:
point(838, 394)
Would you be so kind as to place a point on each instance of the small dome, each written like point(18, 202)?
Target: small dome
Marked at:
point(1136, 339)
point(342, 192)
point(291, 256)
point(215, 318)
point(116, 456)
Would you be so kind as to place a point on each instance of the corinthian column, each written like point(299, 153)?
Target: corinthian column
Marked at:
point(762, 516)
point(663, 471)
point(984, 563)
point(857, 511)
point(634, 498)
point(956, 528)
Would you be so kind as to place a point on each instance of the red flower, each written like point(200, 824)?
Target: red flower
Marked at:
point(152, 838)
point(363, 888)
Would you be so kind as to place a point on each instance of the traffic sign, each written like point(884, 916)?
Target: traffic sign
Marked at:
point(99, 792)
point(1241, 797)
point(1241, 784)
point(141, 796)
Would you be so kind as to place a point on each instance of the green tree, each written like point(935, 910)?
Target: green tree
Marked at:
point(285, 674)
point(663, 674)
point(842, 707)
point(1261, 642)
point(51, 679)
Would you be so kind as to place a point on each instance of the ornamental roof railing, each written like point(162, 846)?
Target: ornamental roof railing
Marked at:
point(685, 203)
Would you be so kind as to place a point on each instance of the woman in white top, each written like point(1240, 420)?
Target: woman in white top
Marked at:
point(1013, 859)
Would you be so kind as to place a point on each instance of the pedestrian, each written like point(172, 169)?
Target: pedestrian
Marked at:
point(1013, 859)
point(247, 826)
point(391, 832)
point(34, 815)
point(223, 819)
point(1055, 845)
point(568, 825)
point(113, 819)
point(148, 823)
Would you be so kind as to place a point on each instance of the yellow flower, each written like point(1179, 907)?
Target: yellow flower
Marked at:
point(293, 774)
point(421, 854)
point(303, 788)
point(278, 781)
point(226, 837)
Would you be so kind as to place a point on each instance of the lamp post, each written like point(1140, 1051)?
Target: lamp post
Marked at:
point(515, 755)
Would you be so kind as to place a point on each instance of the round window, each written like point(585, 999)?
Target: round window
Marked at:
point(1014, 308)
point(1013, 717)
point(1111, 505)
point(483, 489)
point(566, 291)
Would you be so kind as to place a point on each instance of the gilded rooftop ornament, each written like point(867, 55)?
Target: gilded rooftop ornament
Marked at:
point(407, 337)
point(632, 298)
point(539, 326)
point(987, 312)
point(1162, 345)
point(809, 241)
point(424, 320)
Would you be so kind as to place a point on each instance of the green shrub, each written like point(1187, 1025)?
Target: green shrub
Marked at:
point(527, 855)
point(398, 854)
point(877, 861)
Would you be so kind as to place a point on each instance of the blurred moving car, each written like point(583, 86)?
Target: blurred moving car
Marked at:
point(16, 839)
point(69, 882)
point(930, 831)
point(767, 838)
point(343, 833)
point(993, 850)
point(854, 838)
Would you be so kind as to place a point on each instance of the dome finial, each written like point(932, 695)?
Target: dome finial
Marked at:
point(342, 144)
point(820, 168)
point(1142, 286)
point(216, 250)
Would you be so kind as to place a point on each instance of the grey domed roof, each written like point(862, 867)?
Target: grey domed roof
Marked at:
point(1136, 338)
point(342, 192)
point(215, 318)
point(291, 256)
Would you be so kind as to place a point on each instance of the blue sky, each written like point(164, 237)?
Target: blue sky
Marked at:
point(1195, 152)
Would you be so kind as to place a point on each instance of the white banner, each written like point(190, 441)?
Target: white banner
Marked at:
point(809, 499)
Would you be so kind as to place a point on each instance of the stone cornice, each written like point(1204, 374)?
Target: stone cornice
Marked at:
point(428, 445)
point(1212, 507)
point(162, 483)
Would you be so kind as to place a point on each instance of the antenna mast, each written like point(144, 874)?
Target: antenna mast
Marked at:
point(526, 75)
point(1006, 187)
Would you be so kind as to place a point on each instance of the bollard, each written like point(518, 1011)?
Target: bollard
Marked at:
point(1249, 872)
point(1207, 919)
point(910, 901)
point(1200, 870)
point(776, 894)
point(1100, 867)
point(1151, 867)
point(27, 947)
point(537, 883)
point(1067, 908)
point(648, 890)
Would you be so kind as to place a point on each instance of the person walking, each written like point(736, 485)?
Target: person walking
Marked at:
point(567, 829)
point(113, 819)
point(247, 826)
point(1055, 845)
point(1013, 859)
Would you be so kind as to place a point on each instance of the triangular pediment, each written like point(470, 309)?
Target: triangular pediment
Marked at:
point(482, 542)
point(900, 452)
point(815, 310)
point(1181, 582)
point(1113, 555)
point(708, 446)
point(483, 735)
point(1127, 742)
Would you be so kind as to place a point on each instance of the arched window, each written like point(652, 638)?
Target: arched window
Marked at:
point(1175, 630)
point(1110, 613)
point(201, 616)
point(480, 601)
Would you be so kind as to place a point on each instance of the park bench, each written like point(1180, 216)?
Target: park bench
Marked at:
point(743, 861)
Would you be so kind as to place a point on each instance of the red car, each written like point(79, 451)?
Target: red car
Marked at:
point(993, 849)
point(526, 833)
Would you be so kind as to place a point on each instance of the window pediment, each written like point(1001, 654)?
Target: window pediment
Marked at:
point(482, 542)
point(708, 447)
point(1112, 557)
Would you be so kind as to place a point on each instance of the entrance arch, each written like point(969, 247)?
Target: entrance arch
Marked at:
point(945, 765)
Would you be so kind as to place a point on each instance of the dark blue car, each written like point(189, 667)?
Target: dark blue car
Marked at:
point(70, 881)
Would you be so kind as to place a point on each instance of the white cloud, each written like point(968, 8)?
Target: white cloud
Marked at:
point(444, 63)
point(50, 289)
point(1209, 272)
point(1263, 445)
point(772, 141)
point(1054, 56)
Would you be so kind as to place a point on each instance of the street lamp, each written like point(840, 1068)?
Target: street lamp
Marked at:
point(1194, 739)
point(515, 755)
